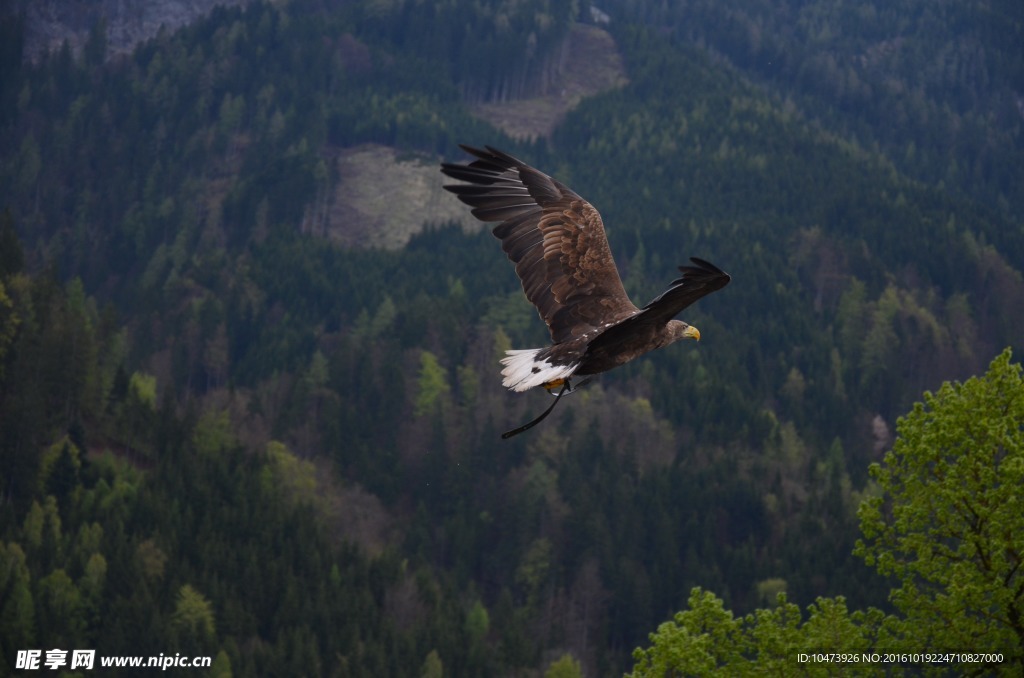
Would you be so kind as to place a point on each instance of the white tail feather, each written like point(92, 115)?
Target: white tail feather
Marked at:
point(523, 371)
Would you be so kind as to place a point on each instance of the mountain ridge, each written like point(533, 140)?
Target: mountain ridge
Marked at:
point(126, 23)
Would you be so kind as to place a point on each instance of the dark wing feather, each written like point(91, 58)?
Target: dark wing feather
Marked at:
point(554, 237)
point(698, 280)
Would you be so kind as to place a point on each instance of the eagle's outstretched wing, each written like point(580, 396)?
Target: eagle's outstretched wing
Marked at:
point(554, 237)
point(699, 280)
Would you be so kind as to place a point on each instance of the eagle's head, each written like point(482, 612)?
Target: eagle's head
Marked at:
point(679, 330)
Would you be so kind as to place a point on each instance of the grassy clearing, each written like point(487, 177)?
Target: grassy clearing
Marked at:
point(383, 198)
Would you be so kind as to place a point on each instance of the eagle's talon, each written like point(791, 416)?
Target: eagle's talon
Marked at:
point(553, 386)
point(569, 387)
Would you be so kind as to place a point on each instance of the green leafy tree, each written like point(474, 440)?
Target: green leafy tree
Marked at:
point(949, 525)
point(61, 610)
point(138, 412)
point(43, 532)
point(17, 611)
point(432, 666)
point(707, 640)
point(193, 614)
point(478, 622)
point(221, 667)
point(213, 432)
point(431, 386)
point(295, 477)
point(477, 625)
point(565, 666)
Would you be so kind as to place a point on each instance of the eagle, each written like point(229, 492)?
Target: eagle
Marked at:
point(557, 242)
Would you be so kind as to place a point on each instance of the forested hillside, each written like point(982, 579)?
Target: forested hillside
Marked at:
point(223, 434)
point(935, 85)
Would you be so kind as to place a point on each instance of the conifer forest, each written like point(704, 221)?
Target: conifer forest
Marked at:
point(250, 393)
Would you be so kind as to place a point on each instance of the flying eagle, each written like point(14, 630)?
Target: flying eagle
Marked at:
point(557, 242)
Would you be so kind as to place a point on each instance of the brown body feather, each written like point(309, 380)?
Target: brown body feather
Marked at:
point(557, 242)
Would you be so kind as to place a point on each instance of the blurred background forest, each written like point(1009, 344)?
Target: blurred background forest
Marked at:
point(246, 411)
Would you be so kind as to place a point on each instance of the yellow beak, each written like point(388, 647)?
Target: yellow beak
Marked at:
point(692, 333)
